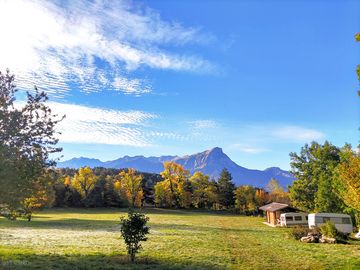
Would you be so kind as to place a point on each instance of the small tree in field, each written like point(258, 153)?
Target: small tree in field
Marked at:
point(134, 230)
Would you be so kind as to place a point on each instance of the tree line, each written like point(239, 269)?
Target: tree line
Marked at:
point(175, 187)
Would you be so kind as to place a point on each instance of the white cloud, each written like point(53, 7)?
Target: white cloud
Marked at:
point(248, 148)
point(58, 43)
point(127, 86)
point(103, 126)
point(203, 124)
point(297, 133)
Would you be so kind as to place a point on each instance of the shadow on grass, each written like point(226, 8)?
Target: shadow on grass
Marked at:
point(95, 261)
point(73, 224)
point(146, 210)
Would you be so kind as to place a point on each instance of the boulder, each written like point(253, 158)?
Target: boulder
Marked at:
point(329, 240)
point(308, 239)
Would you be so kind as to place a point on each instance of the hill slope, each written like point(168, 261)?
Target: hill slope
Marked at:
point(210, 162)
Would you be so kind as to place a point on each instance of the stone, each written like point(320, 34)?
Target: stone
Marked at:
point(329, 240)
point(308, 239)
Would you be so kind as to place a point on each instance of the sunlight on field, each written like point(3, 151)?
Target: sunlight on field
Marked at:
point(90, 239)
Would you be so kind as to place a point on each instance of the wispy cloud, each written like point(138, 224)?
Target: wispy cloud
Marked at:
point(102, 126)
point(297, 133)
point(61, 43)
point(250, 149)
point(203, 124)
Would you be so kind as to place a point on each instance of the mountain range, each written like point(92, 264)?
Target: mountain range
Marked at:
point(210, 162)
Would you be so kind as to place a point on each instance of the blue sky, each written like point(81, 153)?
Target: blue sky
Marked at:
point(257, 78)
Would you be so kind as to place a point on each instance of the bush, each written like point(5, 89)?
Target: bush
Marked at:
point(329, 230)
point(299, 231)
point(134, 230)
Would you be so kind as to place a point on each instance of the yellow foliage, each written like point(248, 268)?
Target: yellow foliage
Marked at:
point(84, 181)
point(349, 175)
point(172, 191)
point(357, 37)
point(130, 186)
point(67, 181)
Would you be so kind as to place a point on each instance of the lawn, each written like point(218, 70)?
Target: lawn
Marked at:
point(90, 239)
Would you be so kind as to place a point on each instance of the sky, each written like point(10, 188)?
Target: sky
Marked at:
point(257, 78)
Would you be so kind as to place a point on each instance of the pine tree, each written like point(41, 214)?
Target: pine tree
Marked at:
point(226, 189)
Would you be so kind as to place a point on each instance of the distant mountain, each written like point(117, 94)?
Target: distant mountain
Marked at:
point(210, 162)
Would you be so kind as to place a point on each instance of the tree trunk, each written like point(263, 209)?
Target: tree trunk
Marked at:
point(132, 257)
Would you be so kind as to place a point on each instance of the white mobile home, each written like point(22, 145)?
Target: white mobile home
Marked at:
point(293, 218)
point(342, 222)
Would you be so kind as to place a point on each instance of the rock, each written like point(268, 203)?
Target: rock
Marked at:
point(329, 240)
point(308, 239)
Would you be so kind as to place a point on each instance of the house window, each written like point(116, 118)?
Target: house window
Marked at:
point(298, 218)
point(289, 218)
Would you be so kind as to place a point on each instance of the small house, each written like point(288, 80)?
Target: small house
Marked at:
point(342, 222)
point(293, 218)
point(274, 210)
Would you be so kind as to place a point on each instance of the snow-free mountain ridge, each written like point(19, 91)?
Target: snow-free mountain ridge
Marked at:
point(210, 162)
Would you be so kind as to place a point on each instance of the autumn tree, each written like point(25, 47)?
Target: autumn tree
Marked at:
point(42, 194)
point(261, 197)
point(276, 192)
point(348, 175)
point(226, 189)
point(84, 181)
point(204, 193)
point(245, 199)
point(174, 190)
point(357, 38)
point(130, 185)
point(27, 138)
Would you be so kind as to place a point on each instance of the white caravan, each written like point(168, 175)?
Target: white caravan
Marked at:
point(292, 219)
point(342, 222)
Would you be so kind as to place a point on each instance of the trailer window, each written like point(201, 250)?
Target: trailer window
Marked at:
point(319, 219)
point(336, 220)
point(346, 220)
point(326, 219)
point(298, 218)
point(289, 218)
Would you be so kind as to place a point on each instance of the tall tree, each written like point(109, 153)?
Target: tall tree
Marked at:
point(27, 138)
point(175, 185)
point(84, 181)
point(130, 185)
point(277, 192)
point(348, 175)
point(261, 197)
point(204, 193)
point(226, 189)
point(314, 168)
point(245, 199)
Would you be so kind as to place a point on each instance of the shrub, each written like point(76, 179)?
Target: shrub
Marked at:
point(299, 231)
point(329, 230)
point(133, 230)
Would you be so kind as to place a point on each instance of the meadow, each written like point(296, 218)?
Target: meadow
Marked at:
point(90, 239)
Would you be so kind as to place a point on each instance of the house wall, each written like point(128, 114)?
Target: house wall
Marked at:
point(272, 216)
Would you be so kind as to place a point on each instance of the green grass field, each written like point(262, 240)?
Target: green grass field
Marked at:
point(90, 239)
